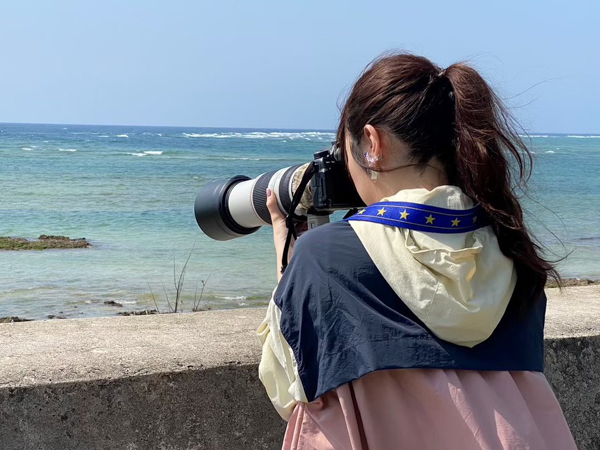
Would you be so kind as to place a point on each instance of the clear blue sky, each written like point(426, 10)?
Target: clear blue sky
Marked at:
point(283, 64)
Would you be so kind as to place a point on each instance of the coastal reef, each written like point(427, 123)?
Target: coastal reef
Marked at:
point(42, 243)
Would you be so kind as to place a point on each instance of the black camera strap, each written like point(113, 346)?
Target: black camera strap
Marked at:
point(292, 217)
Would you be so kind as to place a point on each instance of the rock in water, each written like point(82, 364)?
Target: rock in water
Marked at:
point(112, 303)
point(44, 242)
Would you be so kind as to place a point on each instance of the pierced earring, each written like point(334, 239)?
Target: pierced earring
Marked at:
point(371, 159)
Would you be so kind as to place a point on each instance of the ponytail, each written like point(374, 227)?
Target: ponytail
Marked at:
point(454, 116)
point(485, 142)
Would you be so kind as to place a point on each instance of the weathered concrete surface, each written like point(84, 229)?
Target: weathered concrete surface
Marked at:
point(189, 381)
point(177, 381)
point(573, 359)
point(115, 347)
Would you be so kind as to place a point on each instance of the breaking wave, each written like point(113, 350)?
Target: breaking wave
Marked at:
point(283, 135)
point(237, 297)
point(246, 158)
point(146, 153)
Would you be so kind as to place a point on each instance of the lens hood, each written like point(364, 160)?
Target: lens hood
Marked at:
point(211, 209)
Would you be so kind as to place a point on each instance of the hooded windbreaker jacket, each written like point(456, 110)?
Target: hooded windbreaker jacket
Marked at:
point(361, 299)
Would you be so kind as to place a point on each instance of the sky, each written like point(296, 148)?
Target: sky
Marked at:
point(284, 64)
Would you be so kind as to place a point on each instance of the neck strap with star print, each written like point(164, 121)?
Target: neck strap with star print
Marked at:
point(419, 217)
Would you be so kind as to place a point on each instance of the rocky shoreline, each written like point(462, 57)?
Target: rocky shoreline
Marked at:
point(44, 242)
point(570, 282)
point(567, 282)
point(13, 319)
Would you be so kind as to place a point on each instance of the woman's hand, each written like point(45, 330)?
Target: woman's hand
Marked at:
point(280, 230)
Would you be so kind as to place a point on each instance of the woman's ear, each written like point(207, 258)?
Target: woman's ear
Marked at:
point(372, 144)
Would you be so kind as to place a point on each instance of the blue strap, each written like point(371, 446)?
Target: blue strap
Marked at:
point(415, 216)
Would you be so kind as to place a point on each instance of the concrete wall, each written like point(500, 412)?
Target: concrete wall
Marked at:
point(189, 381)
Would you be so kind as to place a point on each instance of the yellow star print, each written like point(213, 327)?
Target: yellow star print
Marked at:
point(455, 222)
point(430, 219)
point(381, 212)
point(362, 211)
point(404, 215)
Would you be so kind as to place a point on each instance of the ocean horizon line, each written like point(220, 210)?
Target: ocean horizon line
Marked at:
point(329, 130)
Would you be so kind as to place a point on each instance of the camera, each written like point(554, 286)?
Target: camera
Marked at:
point(235, 207)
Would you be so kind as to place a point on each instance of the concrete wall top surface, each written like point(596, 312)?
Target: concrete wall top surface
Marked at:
point(56, 351)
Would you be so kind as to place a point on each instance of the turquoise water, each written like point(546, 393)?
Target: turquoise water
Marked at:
point(130, 192)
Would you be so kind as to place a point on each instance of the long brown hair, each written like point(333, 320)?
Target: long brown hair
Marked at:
point(454, 116)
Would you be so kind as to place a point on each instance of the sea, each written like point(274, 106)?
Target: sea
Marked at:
point(130, 192)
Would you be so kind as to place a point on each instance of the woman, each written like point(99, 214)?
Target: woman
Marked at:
point(418, 322)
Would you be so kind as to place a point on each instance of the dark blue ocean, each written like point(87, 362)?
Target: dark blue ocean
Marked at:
point(130, 191)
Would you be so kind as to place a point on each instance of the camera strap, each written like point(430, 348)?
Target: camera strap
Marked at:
point(426, 218)
point(292, 217)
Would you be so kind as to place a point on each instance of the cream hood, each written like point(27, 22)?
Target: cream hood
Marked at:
point(459, 285)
